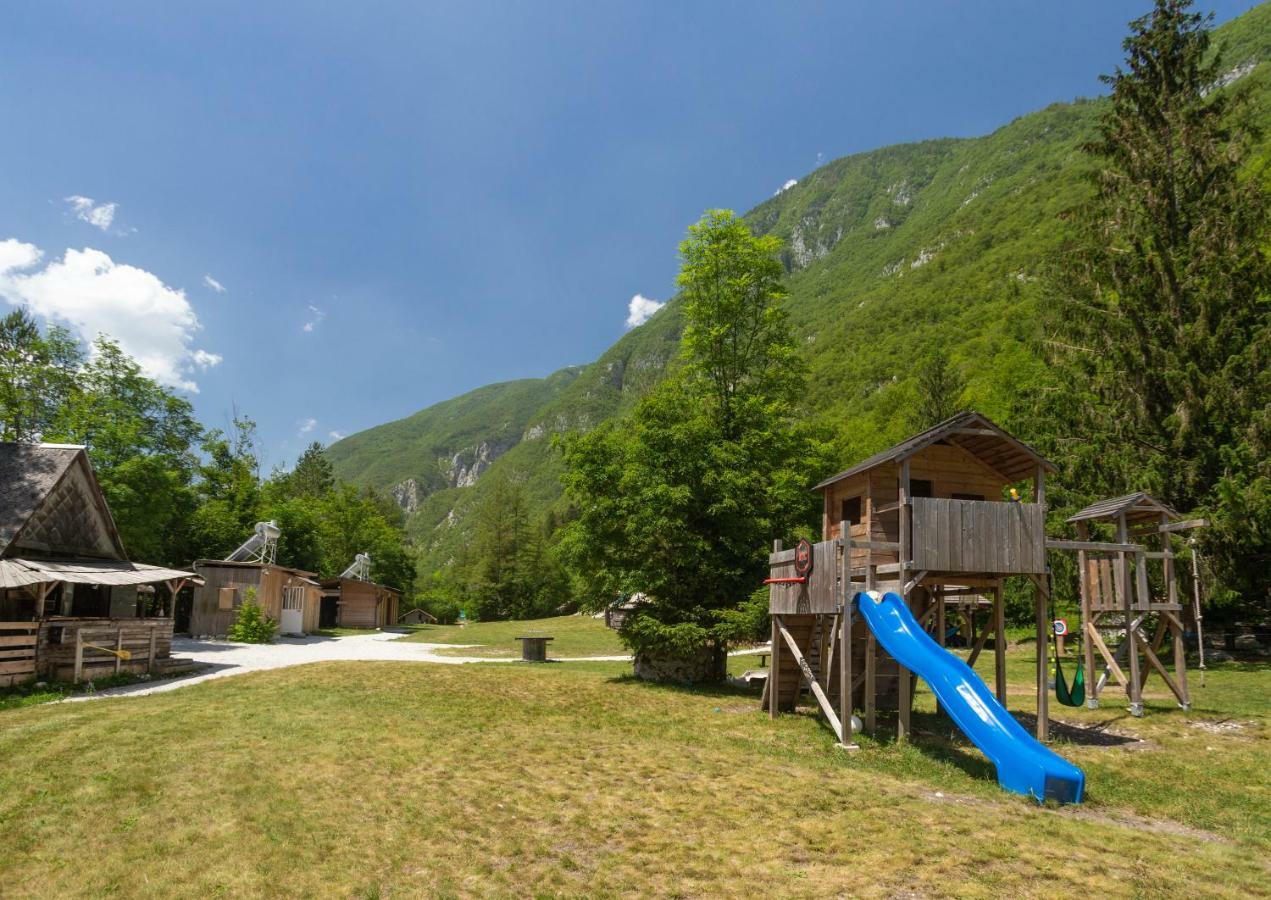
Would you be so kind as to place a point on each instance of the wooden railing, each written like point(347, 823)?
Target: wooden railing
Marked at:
point(978, 536)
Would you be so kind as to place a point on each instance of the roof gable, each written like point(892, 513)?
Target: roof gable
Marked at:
point(50, 502)
point(973, 432)
point(1137, 507)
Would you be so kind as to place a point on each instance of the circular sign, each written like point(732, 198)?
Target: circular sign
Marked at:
point(803, 558)
point(1060, 626)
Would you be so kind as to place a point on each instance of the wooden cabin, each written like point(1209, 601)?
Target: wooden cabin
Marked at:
point(354, 603)
point(933, 519)
point(70, 605)
point(417, 617)
point(288, 596)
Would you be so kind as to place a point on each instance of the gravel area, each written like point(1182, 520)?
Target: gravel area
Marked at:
point(225, 658)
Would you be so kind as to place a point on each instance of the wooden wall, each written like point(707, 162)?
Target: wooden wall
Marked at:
point(206, 616)
point(364, 604)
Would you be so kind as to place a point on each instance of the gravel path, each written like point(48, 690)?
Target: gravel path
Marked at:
point(224, 658)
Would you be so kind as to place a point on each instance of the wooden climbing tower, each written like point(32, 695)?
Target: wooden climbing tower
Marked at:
point(1131, 590)
point(938, 519)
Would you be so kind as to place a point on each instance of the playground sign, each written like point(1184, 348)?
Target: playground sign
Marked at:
point(803, 558)
point(1060, 627)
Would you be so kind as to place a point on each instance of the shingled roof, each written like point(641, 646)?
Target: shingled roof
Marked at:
point(1138, 507)
point(30, 477)
point(973, 432)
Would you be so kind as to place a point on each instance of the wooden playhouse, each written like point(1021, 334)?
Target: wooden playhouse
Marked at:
point(932, 519)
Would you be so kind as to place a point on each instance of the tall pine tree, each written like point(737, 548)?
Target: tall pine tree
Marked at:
point(1163, 315)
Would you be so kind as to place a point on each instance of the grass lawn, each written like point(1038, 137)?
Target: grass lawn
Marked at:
point(574, 636)
point(391, 779)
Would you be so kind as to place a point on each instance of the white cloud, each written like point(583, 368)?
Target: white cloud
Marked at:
point(335, 435)
point(307, 425)
point(92, 294)
point(212, 283)
point(785, 187)
point(315, 319)
point(641, 309)
point(86, 209)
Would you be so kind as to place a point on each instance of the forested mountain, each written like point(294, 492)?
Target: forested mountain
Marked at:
point(894, 256)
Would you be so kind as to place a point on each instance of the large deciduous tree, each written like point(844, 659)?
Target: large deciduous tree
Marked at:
point(681, 500)
point(1163, 322)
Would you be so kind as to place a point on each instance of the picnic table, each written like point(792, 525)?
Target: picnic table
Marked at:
point(534, 649)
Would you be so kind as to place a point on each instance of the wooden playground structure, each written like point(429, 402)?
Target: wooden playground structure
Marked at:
point(938, 520)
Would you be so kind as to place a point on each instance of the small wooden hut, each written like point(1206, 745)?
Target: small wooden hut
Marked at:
point(354, 603)
point(934, 520)
point(417, 617)
point(288, 596)
point(70, 607)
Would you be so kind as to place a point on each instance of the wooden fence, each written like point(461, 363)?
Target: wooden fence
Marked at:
point(18, 641)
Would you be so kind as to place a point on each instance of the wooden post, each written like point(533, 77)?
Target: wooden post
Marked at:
point(845, 635)
point(1171, 586)
point(119, 645)
point(1087, 617)
point(999, 643)
point(150, 659)
point(1043, 673)
point(79, 655)
point(1131, 638)
point(905, 687)
point(774, 665)
point(937, 592)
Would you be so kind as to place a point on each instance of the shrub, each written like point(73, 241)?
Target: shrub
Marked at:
point(252, 625)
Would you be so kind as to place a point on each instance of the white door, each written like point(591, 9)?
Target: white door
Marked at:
point(293, 611)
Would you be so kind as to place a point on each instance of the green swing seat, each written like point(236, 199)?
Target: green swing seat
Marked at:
point(1074, 695)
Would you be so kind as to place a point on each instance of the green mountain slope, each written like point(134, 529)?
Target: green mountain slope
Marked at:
point(892, 255)
point(447, 445)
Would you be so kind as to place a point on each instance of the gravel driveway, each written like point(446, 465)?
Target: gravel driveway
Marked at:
point(225, 658)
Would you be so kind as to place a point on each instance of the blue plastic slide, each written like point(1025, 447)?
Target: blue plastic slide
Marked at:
point(1023, 765)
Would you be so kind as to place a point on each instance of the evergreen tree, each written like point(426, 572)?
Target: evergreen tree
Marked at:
point(1163, 325)
point(681, 500)
point(940, 390)
point(38, 374)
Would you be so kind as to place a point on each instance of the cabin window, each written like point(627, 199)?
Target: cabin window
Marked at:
point(920, 487)
point(968, 496)
point(850, 510)
point(227, 598)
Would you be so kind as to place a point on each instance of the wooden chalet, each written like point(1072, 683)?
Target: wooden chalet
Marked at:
point(288, 596)
point(72, 605)
point(354, 603)
point(935, 520)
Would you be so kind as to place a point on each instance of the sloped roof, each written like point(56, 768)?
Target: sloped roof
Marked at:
point(338, 582)
point(30, 475)
point(19, 572)
point(975, 433)
point(1138, 507)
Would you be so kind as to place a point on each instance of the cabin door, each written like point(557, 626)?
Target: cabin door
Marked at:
point(293, 611)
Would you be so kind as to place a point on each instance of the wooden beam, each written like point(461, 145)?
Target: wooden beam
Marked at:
point(1040, 596)
point(912, 583)
point(774, 670)
point(1094, 546)
point(806, 669)
point(1184, 526)
point(1131, 639)
point(845, 638)
point(999, 644)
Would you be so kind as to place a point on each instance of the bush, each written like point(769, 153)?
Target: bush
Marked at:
point(444, 609)
point(252, 625)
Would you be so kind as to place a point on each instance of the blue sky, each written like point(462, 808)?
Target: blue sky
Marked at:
point(332, 215)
